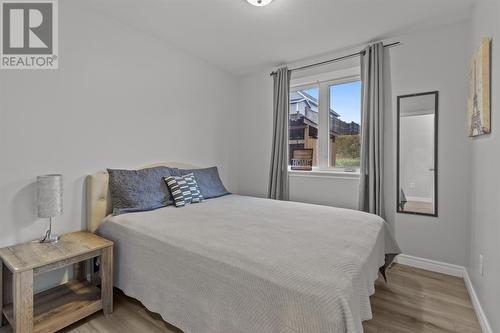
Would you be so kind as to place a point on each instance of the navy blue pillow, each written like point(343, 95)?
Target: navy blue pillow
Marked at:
point(208, 181)
point(139, 190)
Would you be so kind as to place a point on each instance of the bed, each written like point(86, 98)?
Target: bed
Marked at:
point(242, 264)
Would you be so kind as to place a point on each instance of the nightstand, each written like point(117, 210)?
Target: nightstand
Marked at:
point(54, 309)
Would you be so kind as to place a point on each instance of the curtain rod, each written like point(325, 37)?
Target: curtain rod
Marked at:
point(335, 59)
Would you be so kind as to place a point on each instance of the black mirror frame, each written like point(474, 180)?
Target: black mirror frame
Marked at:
point(436, 116)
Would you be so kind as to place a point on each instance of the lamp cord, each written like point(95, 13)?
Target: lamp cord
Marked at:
point(48, 232)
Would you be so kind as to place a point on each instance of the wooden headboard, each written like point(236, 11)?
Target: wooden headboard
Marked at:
point(98, 198)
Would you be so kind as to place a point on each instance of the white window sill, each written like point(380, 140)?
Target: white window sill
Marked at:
point(339, 174)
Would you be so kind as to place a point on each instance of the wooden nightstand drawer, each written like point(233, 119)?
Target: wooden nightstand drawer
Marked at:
point(54, 309)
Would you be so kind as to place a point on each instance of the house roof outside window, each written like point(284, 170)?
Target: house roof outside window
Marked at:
point(303, 105)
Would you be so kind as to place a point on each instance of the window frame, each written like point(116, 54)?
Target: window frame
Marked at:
point(323, 82)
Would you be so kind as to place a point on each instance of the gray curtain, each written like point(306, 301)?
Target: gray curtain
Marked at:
point(372, 130)
point(278, 174)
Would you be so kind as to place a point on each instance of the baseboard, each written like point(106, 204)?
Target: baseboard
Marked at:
point(453, 270)
point(431, 265)
point(481, 316)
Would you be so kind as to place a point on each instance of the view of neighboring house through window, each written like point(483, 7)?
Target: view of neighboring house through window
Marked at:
point(303, 122)
point(341, 147)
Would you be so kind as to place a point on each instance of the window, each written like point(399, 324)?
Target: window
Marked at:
point(326, 117)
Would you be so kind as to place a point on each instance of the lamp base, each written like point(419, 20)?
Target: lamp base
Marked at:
point(50, 239)
point(49, 236)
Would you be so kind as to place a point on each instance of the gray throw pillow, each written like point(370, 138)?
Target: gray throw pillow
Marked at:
point(208, 181)
point(139, 190)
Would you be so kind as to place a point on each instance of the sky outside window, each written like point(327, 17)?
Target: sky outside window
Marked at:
point(345, 99)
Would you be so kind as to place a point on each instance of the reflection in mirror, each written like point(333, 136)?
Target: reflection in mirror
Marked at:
point(417, 153)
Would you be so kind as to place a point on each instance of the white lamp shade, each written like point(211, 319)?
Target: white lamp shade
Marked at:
point(259, 3)
point(49, 195)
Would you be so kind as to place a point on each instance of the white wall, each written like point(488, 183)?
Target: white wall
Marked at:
point(254, 127)
point(119, 99)
point(336, 191)
point(485, 166)
point(433, 60)
point(426, 61)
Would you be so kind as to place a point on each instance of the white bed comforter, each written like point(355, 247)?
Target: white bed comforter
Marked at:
point(242, 264)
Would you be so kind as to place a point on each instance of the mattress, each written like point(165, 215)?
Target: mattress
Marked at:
point(242, 264)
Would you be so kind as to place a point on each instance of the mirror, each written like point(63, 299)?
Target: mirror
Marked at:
point(417, 154)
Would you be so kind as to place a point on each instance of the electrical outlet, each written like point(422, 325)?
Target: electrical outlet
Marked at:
point(481, 264)
point(412, 186)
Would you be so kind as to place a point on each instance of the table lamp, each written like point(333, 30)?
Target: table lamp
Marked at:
point(49, 202)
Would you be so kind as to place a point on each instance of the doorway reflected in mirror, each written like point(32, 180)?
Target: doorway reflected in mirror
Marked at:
point(417, 154)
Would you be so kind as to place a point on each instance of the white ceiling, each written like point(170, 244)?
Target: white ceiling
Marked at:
point(240, 38)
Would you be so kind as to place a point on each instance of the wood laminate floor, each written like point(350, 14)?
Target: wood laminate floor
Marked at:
point(419, 207)
point(414, 301)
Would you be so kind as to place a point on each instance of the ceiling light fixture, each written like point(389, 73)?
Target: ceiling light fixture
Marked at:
point(259, 3)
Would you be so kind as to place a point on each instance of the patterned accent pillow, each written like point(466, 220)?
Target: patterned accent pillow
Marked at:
point(184, 189)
